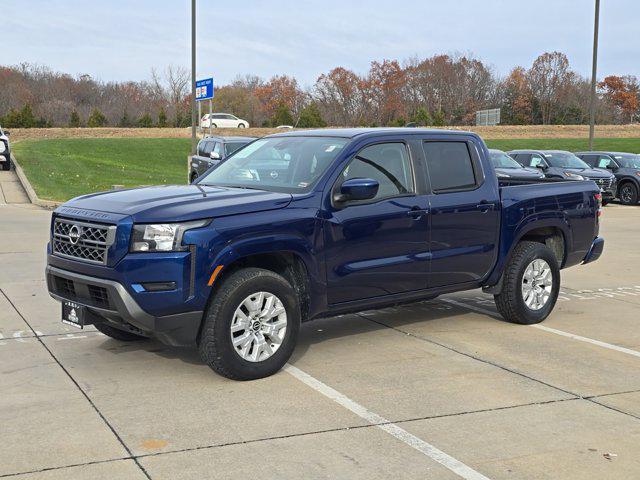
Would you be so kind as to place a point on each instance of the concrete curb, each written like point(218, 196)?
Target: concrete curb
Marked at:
point(31, 193)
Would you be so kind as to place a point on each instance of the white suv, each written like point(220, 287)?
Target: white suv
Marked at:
point(5, 153)
point(222, 120)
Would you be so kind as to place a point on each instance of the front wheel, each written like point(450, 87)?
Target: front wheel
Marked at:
point(6, 165)
point(251, 325)
point(531, 284)
point(241, 125)
point(628, 194)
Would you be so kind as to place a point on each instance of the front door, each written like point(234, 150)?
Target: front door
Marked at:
point(465, 214)
point(378, 247)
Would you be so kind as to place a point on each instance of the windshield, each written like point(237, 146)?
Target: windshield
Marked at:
point(564, 160)
point(628, 160)
point(502, 160)
point(280, 164)
point(229, 148)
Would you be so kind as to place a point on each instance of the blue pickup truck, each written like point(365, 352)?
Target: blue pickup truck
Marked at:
point(301, 225)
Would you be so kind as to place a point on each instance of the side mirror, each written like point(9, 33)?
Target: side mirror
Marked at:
point(214, 156)
point(357, 189)
point(612, 166)
point(541, 166)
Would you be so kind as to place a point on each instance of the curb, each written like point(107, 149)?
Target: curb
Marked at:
point(31, 193)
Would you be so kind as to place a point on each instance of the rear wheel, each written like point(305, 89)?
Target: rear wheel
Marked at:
point(118, 334)
point(628, 194)
point(213, 125)
point(251, 325)
point(531, 284)
point(241, 125)
point(6, 165)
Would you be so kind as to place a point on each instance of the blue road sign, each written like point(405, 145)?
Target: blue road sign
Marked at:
point(204, 89)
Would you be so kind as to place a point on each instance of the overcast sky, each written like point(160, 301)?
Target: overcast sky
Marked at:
point(123, 40)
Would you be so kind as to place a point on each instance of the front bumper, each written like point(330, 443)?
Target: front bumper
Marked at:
point(109, 301)
point(595, 251)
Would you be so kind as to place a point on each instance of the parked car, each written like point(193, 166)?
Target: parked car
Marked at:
point(213, 150)
point(507, 167)
point(565, 165)
point(5, 150)
point(301, 225)
point(625, 167)
point(222, 120)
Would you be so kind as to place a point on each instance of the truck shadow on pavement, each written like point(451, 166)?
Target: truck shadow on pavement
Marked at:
point(433, 315)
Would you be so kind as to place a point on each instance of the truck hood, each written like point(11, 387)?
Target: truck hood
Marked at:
point(173, 203)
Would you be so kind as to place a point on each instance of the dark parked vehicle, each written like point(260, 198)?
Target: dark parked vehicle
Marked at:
point(565, 165)
point(507, 167)
point(5, 151)
point(301, 225)
point(213, 150)
point(625, 167)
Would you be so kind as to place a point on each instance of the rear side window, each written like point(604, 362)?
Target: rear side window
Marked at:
point(588, 159)
point(388, 163)
point(450, 166)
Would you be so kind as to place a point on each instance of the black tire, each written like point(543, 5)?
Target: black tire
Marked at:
point(193, 177)
point(241, 125)
point(118, 334)
point(628, 194)
point(6, 165)
point(215, 345)
point(605, 202)
point(213, 125)
point(510, 301)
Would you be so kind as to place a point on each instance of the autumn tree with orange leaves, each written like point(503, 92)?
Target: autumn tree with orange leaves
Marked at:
point(622, 93)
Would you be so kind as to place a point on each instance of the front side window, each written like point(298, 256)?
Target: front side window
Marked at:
point(280, 164)
point(450, 166)
point(537, 161)
point(388, 163)
point(207, 148)
point(605, 162)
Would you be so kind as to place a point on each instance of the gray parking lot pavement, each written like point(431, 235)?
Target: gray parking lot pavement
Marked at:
point(438, 389)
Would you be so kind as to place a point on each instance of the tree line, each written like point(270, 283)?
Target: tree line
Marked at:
point(439, 90)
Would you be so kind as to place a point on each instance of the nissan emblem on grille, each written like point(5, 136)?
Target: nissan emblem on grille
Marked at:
point(75, 232)
point(83, 241)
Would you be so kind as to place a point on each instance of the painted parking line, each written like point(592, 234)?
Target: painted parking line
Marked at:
point(456, 466)
point(573, 336)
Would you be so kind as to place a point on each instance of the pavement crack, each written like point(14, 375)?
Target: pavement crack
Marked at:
point(507, 369)
point(80, 389)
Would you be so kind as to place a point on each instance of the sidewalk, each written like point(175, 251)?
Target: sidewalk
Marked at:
point(11, 190)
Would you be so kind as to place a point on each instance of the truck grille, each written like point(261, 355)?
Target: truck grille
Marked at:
point(89, 242)
point(604, 183)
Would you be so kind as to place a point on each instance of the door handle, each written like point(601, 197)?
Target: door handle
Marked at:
point(417, 213)
point(485, 206)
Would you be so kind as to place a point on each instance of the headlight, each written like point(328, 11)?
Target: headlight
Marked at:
point(164, 237)
point(2, 147)
point(573, 176)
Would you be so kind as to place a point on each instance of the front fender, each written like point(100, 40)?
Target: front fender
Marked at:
point(272, 243)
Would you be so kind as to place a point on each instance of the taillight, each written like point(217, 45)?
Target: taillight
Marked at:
point(598, 197)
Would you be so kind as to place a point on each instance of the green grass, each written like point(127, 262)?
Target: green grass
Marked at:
point(63, 169)
point(631, 145)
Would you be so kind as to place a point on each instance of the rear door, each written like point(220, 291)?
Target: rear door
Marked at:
point(465, 212)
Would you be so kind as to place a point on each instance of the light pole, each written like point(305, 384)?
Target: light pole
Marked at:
point(194, 117)
point(594, 72)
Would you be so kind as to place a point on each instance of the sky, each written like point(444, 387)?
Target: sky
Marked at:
point(123, 40)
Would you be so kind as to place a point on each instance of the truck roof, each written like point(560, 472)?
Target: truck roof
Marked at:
point(366, 132)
